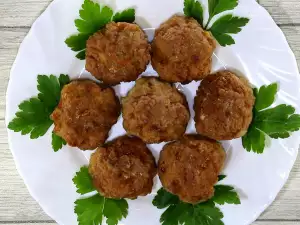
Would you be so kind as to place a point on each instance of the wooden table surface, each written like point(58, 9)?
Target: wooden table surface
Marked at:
point(16, 204)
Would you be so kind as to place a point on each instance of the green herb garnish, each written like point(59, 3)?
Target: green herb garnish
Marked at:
point(127, 15)
point(93, 17)
point(216, 7)
point(92, 210)
point(225, 194)
point(180, 213)
point(57, 142)
point(193, 9)
point(33, 118)
point(83, 181)
point(223, 26)
point(276, 122)
point(226, 25)
point(221, 177)
point(34, 115)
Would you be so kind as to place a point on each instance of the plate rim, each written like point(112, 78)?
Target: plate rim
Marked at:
point(9, 139)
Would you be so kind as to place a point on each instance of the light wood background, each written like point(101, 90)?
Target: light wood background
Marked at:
point(18, 207)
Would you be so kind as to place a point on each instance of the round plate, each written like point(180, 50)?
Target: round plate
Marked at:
point(261, 53)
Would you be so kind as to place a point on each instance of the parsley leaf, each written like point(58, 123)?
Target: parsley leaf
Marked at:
point(63, 80)
point(175, 214)
point(183, 213)
point(163, 199)
point(223, 26)
point(193, 8)
point(265, 96)
point(92, 210)
point(229, 24)
point(275, 122)
point(278, 120)
point(81, 55)
point(115, 210)
point(83, 181)
point(57, 142)
point(78, 43)
point(221, 177)
point(207, 213)
point(127, 15)
point(93, 17)
point(33, 116)
point(225, 194)
point(89, 210)
point(217, 6)
point(254, 140)
point(49, 88)
point(226, 25)
point(204, 213)
point(223, 39)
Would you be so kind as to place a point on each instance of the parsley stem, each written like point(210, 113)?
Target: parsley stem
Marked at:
point(208, 22)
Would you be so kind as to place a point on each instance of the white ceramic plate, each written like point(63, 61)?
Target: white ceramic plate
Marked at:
point(261, 53)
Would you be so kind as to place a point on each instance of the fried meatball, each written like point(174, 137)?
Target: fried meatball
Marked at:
point(123, 168)
point(155, 111)
point(119, 52)
point(85, 114)
point(223, 106)
point(182, 50)
point(189, 168)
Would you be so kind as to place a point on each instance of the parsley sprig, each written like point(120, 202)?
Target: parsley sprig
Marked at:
point(92, 210)
point(277, 122)
point(57, 142)
point(224, 26)
point(194, 9)
point(33, 116)
point(180, 213)
point(93, 17)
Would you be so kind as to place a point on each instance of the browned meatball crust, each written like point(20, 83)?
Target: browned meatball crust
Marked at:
point(85, 114)
point(223, 106)
point(155, 111)
point(119, 52)
point(182, 50)
point(123, 168)
point(189, 168)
